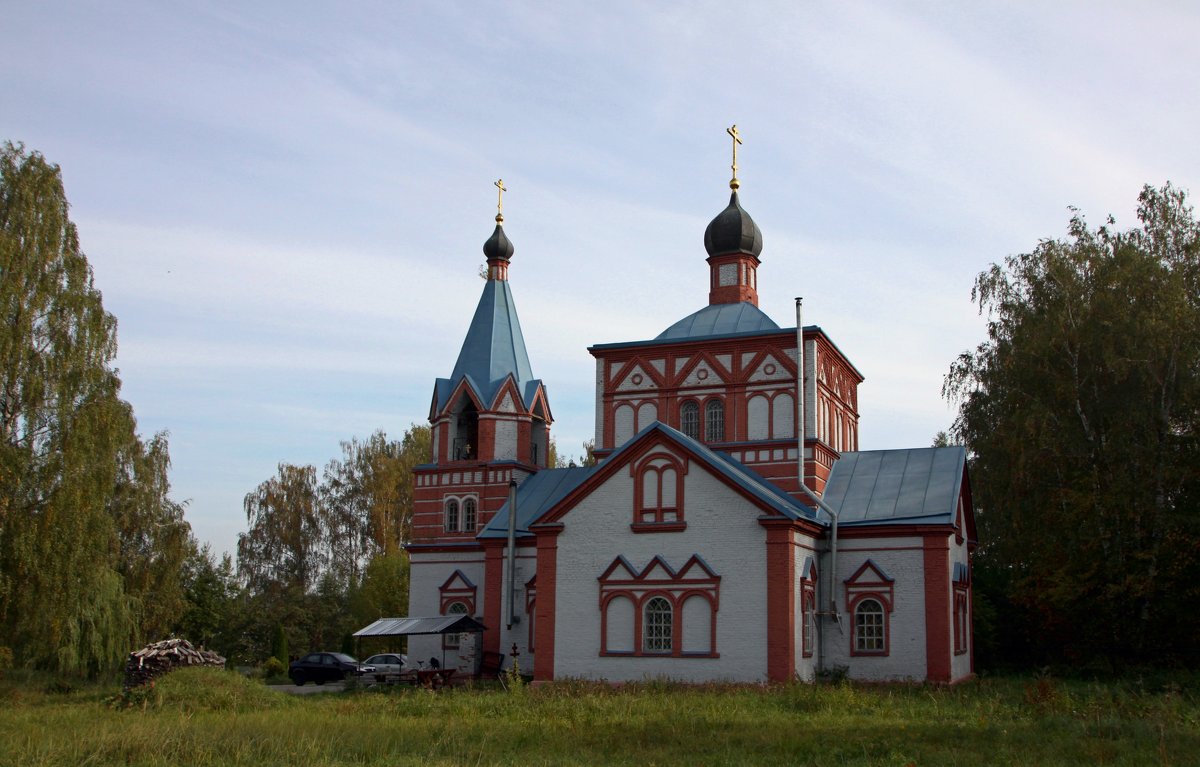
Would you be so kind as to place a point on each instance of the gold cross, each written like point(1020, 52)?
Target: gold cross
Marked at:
point(737, 139)
point(500, 190)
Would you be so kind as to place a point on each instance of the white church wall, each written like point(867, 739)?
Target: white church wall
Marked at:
point(506, 440)
point(427, 573)
point(721, 527)
point(599, 439)
point(902, 559)
point(757, 424)
point(806, 668)
point(518, 634)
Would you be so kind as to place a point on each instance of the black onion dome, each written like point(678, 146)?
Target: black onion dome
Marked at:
point(498, 246)
point(733, 231)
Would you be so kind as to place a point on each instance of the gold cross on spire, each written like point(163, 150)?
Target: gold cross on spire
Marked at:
point(500, 190)
point(737, 139)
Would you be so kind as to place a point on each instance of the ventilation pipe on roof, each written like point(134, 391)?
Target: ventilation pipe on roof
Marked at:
point(801, 428)
point(510, 592)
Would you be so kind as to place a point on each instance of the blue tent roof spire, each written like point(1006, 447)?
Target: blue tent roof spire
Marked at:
point(494, 348)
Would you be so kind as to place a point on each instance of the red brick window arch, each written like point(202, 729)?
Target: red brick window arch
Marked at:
point(658, 494)
point(452, 515)
point(659, 610)
point(870, 595)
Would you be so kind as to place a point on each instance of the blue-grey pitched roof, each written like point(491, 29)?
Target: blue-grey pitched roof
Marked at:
point(535, 496)
point(720, 320)
point(493, 349)
point(915, 486)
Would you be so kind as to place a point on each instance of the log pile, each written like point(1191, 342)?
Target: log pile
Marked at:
point(156, 659)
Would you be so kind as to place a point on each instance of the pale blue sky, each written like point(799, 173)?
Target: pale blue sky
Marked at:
point(284, 203)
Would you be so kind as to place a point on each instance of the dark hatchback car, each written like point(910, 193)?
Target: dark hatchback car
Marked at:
point(322, 667)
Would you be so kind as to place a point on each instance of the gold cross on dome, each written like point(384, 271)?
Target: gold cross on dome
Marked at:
point(500, 190)
point(737, 139)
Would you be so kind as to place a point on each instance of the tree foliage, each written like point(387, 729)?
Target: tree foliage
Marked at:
point(89, 540)
point(1082, 414)
point(319, 557)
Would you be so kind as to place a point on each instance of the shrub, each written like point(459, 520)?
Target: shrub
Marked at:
point(273, 668)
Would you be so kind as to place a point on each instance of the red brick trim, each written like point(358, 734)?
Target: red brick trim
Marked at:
point(493, 592)
point(657, 578)
point(457, 588)
point(852, 608)
point(547, 579)
point(781, 601)
point(662, 516)
point(937, 608)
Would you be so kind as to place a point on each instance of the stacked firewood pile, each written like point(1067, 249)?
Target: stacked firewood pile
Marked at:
point(156, 659)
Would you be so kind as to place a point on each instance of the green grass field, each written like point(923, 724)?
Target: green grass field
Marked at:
point(206, 717)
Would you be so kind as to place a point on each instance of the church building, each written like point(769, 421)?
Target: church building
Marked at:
point(731, 530)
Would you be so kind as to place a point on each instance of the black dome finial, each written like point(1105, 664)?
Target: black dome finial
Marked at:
point(498, 246)
point(733, 231)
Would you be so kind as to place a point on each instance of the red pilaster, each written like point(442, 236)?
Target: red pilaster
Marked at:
point(937, 608)
point(781, 601)
point(493, 591)
point(547, 575)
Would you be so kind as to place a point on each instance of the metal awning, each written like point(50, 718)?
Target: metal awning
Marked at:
point(440, 624)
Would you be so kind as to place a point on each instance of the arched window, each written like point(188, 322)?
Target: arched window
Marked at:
point(809, 618)
point(656, 626)
point(452, 516)
point(714, 421)
point(870, 628)
point(452, 641)
point(689, 419)
point(468, 515)
point(658, 500)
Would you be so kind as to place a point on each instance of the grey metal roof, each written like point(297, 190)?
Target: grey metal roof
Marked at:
point(535, 496)
point(720, 320)
point(438, 624)
point(918, 485)
point(493, 349)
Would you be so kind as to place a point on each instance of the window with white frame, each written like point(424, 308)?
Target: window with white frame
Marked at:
point(656, 626)
point(870, 628)
point(452, 515)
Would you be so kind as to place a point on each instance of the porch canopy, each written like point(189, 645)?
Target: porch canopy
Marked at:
point(439, 624)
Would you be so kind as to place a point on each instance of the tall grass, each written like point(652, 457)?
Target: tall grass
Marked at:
point(204, 717)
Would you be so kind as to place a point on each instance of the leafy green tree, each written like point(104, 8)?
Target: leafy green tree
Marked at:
point(1082, 414)
point(279, 648)
point(283, 552)
point(89, 541)
point(210, 592)
point(367, 497)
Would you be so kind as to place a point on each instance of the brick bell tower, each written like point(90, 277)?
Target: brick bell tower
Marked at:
point(490, 419)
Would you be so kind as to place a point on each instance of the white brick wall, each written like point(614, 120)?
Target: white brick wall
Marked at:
point(722, 528)
point(428, 572)
point(903, 559)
